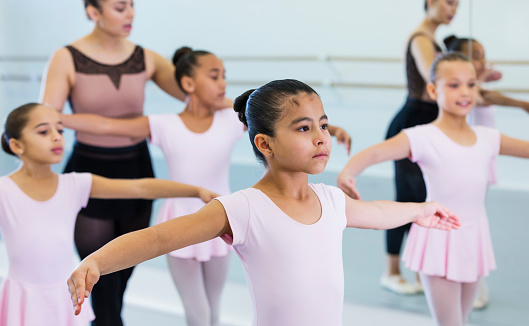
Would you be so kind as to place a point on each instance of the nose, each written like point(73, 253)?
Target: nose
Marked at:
point(321, 137)
point(130, 12)
point(56, 135)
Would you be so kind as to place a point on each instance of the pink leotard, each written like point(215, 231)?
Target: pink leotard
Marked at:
point(294, 271)
point(200, 159)
point(39, 240)
point(457, 177)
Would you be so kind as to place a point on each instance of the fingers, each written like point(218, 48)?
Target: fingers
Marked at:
point(76, 286)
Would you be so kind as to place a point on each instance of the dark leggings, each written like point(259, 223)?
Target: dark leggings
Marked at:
point(409, 182)
point(90, 235)
point(103, 220)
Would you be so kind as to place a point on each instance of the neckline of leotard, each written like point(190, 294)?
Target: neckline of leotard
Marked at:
point(129, 58)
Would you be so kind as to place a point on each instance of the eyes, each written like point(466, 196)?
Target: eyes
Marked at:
point(307, 128)
point(216, 77)
point(45, 132)
point(456, 85)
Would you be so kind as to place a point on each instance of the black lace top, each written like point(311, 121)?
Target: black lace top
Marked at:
point(416, 84)
point(85, 65)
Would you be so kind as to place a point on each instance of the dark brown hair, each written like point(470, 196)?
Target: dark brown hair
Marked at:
point(15, 123)
point(259, 109)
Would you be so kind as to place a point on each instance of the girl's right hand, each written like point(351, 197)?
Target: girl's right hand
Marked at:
point(348, 185)
point(81, 283)
point(207, 195)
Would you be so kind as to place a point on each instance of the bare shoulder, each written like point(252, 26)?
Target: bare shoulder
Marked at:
point(153, 61)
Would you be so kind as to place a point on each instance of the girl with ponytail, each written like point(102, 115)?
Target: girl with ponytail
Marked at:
point(197, 144)
point(286, 231)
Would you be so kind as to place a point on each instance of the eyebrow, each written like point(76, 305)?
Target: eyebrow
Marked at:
point(46, 124)
point(298, 120)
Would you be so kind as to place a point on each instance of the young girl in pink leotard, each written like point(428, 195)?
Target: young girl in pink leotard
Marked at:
point(455, 159)
point(287, 232)
point(38, 209)
point(197, 145)
point(484, 112)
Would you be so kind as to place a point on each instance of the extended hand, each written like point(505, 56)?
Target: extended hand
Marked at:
point(81, 283)
point(343, 138)
point(437, 216)
point(207, 195)
point(348, 185)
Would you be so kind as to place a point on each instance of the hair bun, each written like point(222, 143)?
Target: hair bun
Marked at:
point(180, 53)
point(449, 40)
point(240, 105)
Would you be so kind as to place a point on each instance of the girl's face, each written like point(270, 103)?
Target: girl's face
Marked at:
point(455, 89)
point(42, 138)
point(209, 81)
point(478, 57)
point(302, 142)
point(115, 17)
point(443, 11)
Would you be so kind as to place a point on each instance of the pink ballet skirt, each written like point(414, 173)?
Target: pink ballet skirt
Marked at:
point(24, 304)
point(174, 207)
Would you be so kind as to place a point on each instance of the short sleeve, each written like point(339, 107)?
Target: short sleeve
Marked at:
point(156, 122)
point(416, 142)
point(83, 186)
point(233, 121)
point(336, 197)
point(237, 209)
point(493, 138)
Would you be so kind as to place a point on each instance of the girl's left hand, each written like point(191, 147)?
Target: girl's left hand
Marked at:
point(435, 215)
point(206, 196)
point(490, 74)
point(343, 138)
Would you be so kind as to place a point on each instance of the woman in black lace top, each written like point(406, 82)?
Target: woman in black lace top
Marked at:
point(104, 73)
point(421, 50)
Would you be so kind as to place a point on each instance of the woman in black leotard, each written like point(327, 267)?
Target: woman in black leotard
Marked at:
point(421, 50)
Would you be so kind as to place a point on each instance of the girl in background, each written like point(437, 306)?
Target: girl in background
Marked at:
point(455, 159)
point(197, 145)
point(483, 114)
point(287, 232)
point(421, 51)
point(37, 215)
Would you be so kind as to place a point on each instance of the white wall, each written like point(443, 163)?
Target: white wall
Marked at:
point(285, 27)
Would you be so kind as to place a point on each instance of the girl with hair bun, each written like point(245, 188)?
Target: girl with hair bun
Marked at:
point(38, 209)
point(197, 144)
point(455, 159)
point(484, 112)
point(287, 232)
point(421, 50)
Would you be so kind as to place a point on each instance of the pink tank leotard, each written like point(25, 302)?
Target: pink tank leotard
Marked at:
point(200, 159)
point(294, 271)
point(38, 236)
point(456, 176)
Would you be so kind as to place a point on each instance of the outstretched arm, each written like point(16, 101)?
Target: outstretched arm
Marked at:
point(395, 148)
point(146, 188)
point(135, 247)
point(341, 136)
point(99, 125)
point(514, 147)
point(497, 98)
point(381, 215)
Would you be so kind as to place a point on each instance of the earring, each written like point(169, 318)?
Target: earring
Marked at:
point(270, 154)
